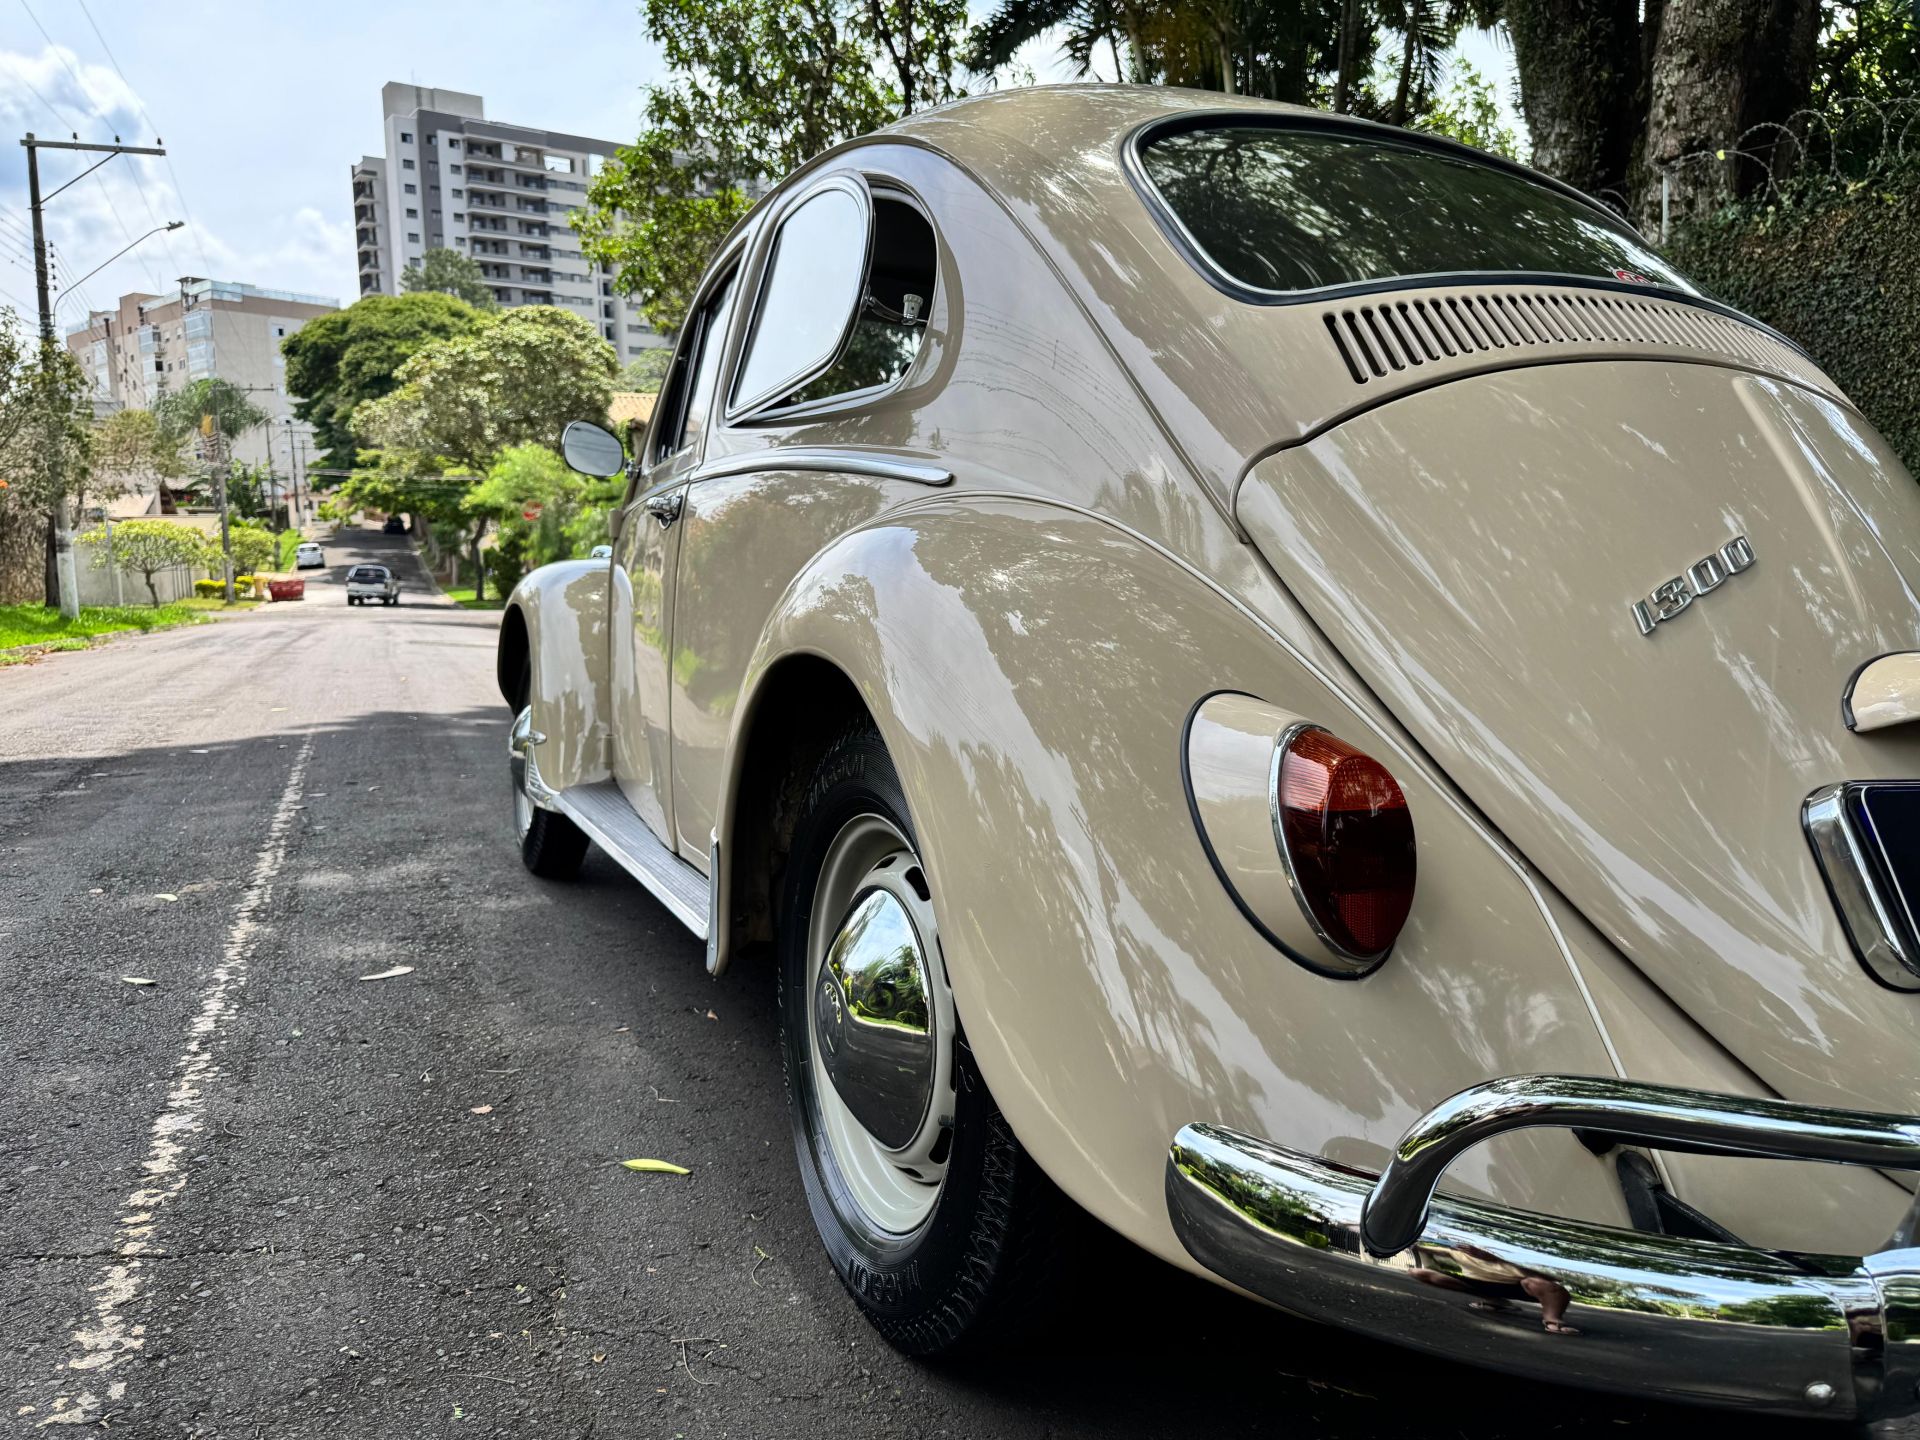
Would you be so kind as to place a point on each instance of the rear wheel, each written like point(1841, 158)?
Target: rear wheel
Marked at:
point(939, 1224)
point(551, 845)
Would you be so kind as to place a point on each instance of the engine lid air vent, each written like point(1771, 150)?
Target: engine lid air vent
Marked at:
point(1384, 339)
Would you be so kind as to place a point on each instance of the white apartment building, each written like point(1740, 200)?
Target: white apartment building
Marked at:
point(150, 344)
point(453, 179)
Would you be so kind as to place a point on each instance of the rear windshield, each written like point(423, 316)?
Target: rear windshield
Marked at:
point(368, 572)
point(1296, 209)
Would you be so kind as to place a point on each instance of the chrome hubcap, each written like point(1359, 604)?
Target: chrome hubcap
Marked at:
point(882, 1025)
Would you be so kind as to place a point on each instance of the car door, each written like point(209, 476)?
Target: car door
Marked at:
point(814, 439)
point(644, 555)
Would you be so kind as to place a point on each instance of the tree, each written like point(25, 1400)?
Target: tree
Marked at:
point(132, 448)
point(208, 415)
point(448, 272)
point(340, 361)
point(518, 379)
point(254, 548)
point(46, 440)
point(1467, 111)
point(147, 547)
point(647, 371)
point(758, 88)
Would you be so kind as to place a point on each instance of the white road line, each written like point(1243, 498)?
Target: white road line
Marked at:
point(106, 1339)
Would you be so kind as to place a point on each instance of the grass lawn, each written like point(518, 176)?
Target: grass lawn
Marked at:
point(41, 625)
point(463, 595)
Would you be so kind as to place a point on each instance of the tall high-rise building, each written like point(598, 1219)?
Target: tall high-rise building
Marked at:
point(150, 344)
point(453, 179)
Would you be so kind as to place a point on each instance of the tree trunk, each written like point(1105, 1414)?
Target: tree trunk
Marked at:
point(1349, 44)
point(1717, 63)
point(152, 593)
point(479, 570)
point(1401, 92)
point(1580, 71)
point(52, 576)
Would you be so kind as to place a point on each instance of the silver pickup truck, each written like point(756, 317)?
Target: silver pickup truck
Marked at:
point(372, 582)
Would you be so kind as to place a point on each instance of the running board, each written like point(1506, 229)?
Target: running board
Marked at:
point(610, 822)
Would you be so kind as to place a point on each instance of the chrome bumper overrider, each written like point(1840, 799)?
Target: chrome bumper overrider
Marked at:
point(1564, 1300)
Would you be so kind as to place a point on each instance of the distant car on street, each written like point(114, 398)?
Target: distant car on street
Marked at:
point(309, 556)
point(394, 526)
point(372, 582)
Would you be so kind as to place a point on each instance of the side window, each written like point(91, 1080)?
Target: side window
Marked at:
point(893, 309)
point(684, 402)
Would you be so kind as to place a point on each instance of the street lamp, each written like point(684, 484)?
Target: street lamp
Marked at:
point(73, 285)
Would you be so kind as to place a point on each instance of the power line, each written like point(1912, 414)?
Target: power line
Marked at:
point(51, 108)
point(60, 55)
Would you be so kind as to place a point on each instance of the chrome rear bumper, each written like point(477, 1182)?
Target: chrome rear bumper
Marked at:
point(1568, 1301)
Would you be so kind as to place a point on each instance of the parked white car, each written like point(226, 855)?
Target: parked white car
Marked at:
point(309, 556)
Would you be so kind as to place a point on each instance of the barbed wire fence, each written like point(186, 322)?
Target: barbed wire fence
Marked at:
point(1849, 141)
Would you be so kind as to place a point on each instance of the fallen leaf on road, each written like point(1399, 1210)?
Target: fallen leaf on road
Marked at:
point(656, 1167)
point(96, 891)
point(712, 1016)
point(599, 1359)
point(138, 980)
point(481, 1110)
point(199, 752)
point(395, 973)
point(162, 895)
point(372, 788)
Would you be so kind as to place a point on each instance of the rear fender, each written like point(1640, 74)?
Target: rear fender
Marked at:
point(553, 657)
point(1032, 669)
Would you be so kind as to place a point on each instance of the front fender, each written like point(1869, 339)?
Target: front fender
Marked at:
point(554, 656)
point(1032, 669)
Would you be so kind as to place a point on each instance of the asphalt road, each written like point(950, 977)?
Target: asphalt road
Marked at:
point(265, 1197)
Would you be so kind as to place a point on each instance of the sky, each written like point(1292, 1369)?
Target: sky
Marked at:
point(264, 107)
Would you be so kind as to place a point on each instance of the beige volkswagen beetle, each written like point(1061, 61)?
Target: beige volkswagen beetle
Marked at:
point(1293, 688)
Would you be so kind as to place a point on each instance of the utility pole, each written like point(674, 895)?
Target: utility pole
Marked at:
point(61, 516)
point(211, 430)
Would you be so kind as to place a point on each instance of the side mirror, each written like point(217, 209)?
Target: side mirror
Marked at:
point(601, 552)
point(591, 450)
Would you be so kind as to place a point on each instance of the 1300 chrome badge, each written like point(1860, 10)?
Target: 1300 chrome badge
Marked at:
point(1706, 574)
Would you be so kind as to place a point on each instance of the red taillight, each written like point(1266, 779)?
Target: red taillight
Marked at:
point(1348, 840)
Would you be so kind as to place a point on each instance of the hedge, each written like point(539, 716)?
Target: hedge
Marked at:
point(1835, 265)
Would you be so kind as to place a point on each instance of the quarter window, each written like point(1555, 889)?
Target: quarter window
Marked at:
point(809, 295)
point(893, 307)
point(689, 390)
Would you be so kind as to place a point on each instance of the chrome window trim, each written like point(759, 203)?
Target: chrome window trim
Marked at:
point(1876, 936)
point(1344, 962)
point(844, 462)
point(738, 411)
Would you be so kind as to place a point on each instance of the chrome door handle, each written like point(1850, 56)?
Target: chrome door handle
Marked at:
point(665, 508)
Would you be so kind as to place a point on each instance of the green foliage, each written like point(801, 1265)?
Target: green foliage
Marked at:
point(250, 491)
point(758, 88)
point(1836, 266)
point(207, 415)
point(647, 371)
point(285, 543)
point(131, 447)
point(569, 510)
point(46, 425)
point(1868, 51)
point(1468, 110)
point(254, 548)
point(515, 381)
point(518, 378)
point(146, 547)
point(448, 272)
point(507, 561)
point(215, 589)
point(340, 361)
